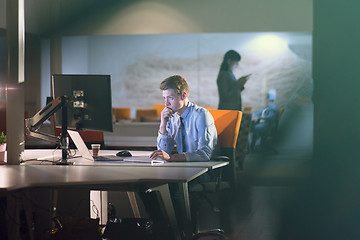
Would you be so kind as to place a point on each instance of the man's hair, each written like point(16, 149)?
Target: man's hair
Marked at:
point(177, 83)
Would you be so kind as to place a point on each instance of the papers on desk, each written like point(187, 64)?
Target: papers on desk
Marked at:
point(143, 159)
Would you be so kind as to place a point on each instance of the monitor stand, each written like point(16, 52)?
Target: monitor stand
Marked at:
point(64, 144)
point(34, 123)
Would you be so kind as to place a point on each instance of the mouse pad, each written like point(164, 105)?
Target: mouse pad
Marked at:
point(143, 159)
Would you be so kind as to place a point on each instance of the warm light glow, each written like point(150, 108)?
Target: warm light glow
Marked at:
point(269, 44)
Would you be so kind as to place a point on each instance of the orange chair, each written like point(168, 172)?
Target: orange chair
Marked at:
point(159, 108)
point(121, 113)
point(227, 123)
point(146, 115)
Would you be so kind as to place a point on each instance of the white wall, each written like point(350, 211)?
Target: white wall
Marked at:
point(138, 63)
point(76, 52)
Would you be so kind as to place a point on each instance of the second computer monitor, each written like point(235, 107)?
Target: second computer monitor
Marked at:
point(89, 100)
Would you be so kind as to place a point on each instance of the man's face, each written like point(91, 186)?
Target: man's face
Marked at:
point(172, 100)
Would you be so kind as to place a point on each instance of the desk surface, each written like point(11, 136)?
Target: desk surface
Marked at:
point(20, 177)
point(39, 173)
point(105, 176)
point(45, 156)
point(17, 177)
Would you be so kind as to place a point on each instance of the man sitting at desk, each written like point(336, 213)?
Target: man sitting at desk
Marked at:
point(183, 124)
point(188, 127)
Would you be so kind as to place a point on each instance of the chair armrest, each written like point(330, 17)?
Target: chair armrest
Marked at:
point(220, 158)
point(217, 175)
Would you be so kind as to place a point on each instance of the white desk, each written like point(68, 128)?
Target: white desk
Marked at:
point(125, 176)
point(43, 157)
point(99, 178)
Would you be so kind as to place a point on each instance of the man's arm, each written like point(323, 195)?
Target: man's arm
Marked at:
point(204, 134)
point(166, 114)
point(164, 140)
point(272, 114)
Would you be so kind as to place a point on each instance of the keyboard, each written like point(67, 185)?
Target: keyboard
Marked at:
point(108, 158)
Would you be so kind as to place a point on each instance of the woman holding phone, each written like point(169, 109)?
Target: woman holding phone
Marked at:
point(229, 87)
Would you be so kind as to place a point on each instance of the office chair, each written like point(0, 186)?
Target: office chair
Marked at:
point(147, 115)
point(268, 138)
point(242, 144)
point(209, 108)
point(120, 113)
point(227, 124)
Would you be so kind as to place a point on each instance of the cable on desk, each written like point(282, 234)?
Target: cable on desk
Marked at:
point(94, 208)
point(41, 161)
point(69, 153)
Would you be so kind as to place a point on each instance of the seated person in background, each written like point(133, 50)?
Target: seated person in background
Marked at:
point(265, 119)
point(184, 124)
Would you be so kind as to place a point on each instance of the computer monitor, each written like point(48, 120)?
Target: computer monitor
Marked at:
point(89, 101)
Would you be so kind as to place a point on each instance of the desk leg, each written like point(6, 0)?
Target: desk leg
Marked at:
point(164, 192)
point(184, 191)
point(134, 205)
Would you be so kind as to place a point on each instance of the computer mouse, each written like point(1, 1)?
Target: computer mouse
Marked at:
point(124, 154)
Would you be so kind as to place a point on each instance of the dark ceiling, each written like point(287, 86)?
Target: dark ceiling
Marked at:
point(48, 17)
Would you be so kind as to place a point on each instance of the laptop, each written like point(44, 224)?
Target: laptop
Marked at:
point(84, 151)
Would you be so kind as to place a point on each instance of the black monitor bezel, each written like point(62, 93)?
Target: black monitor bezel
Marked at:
point(97, 87)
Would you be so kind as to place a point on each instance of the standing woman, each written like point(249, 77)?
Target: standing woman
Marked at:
point(229, 87)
